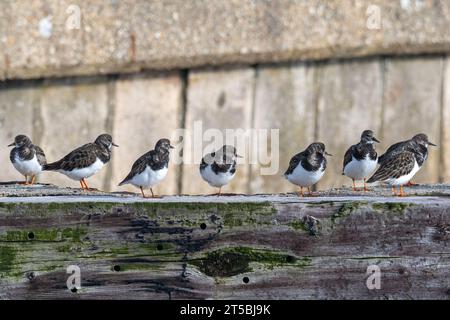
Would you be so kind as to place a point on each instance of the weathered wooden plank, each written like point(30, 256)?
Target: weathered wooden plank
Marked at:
point(147, 108)
point(17, 107)
point(284, 101)
point(72, 113)
point(203, 247)
point(349, 101)
point(217, 99)
point(412, 104)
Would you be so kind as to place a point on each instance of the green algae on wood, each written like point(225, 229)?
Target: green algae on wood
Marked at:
point(393, 207)
point(7, 259)
point(346, 209)
point(54, 234)
point(226, 262)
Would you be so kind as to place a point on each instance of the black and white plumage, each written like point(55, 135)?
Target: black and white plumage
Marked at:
point(402, 161)
point(360, 160)
point(27, 158)
point(219, 168)
point(150, 168)
point(307, 167)
point(85, 161)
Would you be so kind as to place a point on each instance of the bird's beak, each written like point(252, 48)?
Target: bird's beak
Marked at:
point(115, 145)
point(328, 154)
point(171, 147)
point(12, 144)
point(375, 139)
point(432, 144)
point(238, 156)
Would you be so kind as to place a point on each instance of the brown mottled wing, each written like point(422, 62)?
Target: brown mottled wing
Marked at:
point(294, 162)
point(81, 157)
point(138, 167)
point(392, 150)
point(40, 155)
point(395, 167)
point(347, 157)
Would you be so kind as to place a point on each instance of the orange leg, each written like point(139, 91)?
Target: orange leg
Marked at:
point(394, 191)
point(220, 191)
point(33, 180)
point(402, 192)
point(153, 195)
point(300, 194)
point(82, 184)
point(310, 192)
point(354, 185)
point(143, 194)
point(365, 185)
point(26, 181)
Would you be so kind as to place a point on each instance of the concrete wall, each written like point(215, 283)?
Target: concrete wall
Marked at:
point(44, 38)
point(315, 70)
point(328, 101)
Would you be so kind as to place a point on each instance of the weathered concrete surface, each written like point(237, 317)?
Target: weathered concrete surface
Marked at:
point(412, 103)
point(71, 114)
point(285, 100)
point(204, 247)
point(328, 101)
point(349, 101)
point(147, 108)
point(445, 140)
point(42, 38)
point(17, 108)
point(217, 100)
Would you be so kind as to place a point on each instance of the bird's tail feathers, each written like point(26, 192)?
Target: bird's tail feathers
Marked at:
point(51, 166)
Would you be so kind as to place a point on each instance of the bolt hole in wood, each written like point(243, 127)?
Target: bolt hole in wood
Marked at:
point(159, 247)
point(203, 226)
point(245, 280)
point(290, 259)
point(116, 268)
point(30, 235)
point(31, 276)
point(74, 290)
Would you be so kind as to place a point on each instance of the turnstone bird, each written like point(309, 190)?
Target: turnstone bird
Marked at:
point(27, 158)
point(85, 161)
point(401, 162)
point(307, 167)
point(417, 144)
point(360, 160)
point(218, 168)
point(150, 168)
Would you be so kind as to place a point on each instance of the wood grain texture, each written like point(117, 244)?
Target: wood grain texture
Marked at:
point(289, 248)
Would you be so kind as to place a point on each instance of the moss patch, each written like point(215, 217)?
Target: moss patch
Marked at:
point(297, 224)
point(74, 234)
point(7, 258)
point(393, 207)
point(228, 262)
point(347, 209)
